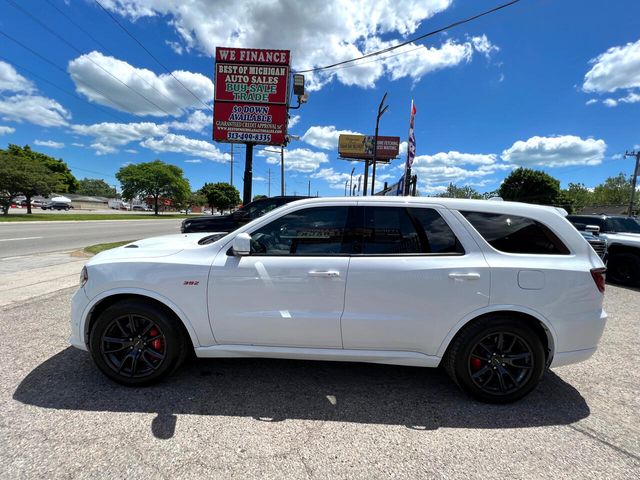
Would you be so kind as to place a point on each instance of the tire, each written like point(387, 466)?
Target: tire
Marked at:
point(138, 353)
point(624, 268)
point(494, 373)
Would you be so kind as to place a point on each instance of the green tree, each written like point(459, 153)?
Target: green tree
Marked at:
point(531, 186)
point(614, 191)
point(454, 191)
point(66, 180)
point(23, 175)
point(154, 179)
point(191, 200)
point(258, 197)
point(576, 196)
point(95, 187)
point(221, 195)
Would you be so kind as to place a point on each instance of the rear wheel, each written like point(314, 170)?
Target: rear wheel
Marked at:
point(496, 360)
point(136, 343)
point(624, 268)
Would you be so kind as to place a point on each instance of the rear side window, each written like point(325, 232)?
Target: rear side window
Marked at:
point(514, 234)
point(396, 231)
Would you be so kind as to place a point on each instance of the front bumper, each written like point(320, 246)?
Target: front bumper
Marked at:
point(79, 303)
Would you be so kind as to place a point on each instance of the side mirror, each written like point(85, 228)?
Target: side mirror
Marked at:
point(242, 245)
point(594, 229)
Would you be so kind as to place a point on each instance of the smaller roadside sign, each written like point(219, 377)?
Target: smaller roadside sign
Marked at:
point(361, 147)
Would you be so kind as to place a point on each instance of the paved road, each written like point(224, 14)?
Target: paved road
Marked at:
point(252, 418)
point(27, 238)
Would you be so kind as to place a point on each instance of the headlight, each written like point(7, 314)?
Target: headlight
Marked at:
point(84, 276)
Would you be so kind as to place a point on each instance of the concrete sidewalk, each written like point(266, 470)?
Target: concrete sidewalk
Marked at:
point(29, 276)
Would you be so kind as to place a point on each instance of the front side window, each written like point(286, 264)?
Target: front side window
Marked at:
point(310, 231)
point(515, 234)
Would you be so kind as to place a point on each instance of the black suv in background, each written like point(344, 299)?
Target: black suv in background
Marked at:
point(228, 223)
point(623, 242)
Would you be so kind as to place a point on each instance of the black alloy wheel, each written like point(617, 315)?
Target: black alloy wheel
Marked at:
point(135, 342)
point(133, 345)
point(624, 268)
point(496, 359)
point(501, 363)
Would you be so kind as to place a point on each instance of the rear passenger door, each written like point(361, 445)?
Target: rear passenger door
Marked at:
point(416, 273)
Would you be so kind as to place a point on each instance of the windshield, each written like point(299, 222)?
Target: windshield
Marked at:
point(623, 225)
point(257, 209)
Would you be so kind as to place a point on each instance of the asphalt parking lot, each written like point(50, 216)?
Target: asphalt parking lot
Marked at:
point(60, 418)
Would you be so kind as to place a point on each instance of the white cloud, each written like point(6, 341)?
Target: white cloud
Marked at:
point(610, 102)
point(617, 68)
point(76, 144)
point(297, 159)
point(197, 121)
point(193, 160)
point(175, 46)
point(108, 135)
point(131, 150)
point(35, 109)
point(558, 151)
point(12, 81)
point(49, 143)
point(632, 97)
point(189, 146)
point(319, 33)
point(591, 101)
point(335, 179)
point(293, 121)
point(324, 137)
point(163, 93)
point(6, 130)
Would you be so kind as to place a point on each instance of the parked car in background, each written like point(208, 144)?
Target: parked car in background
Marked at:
point(495, 292)
point(598, 243)
point(228, 223)
point(623, 241)
point(140, 208)
point(56, 206)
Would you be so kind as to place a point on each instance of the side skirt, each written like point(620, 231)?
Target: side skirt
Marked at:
point(413, 359)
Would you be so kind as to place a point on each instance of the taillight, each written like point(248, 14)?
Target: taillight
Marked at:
point(598, 277)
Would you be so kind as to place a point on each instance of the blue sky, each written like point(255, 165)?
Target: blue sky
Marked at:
point(546, 84)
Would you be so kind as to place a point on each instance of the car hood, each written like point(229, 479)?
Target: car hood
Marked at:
point(155, 247)
point(624, 238)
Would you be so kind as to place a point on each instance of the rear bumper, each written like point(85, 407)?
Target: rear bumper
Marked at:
point(567, 358)
point(588, 334)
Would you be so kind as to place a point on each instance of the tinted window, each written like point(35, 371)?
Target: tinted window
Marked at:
point(514, 234)
point(582, 222)
point(439, 237)
point(259, 208)
point(311, 231)
point(394, 230)
point(624, 225)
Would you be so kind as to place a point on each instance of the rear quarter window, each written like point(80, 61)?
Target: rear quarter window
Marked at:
point(515, 234)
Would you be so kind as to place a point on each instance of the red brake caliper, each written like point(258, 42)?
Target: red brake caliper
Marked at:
point(157, 343)
point(476, 363)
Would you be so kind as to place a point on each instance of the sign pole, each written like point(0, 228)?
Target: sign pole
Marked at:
point(366, 178)
point(248, 173)
point(282, 170)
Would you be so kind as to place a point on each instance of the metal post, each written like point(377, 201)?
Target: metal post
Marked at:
point(269, 187)
point(375, 144)
point(282, 170)
point(248, 174)
point(309, 189)
point(346, 184)
point(634, 180)
point(366, 178)
point(232, 164)
point(351, 182)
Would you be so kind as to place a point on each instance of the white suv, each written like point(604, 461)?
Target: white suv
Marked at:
point(494, 291)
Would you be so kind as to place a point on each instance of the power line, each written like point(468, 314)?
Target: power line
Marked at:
point(66, 92)
point(57, 67)
point(77, 50)
point(106, 49)
point(413, 40)
point(150, 54)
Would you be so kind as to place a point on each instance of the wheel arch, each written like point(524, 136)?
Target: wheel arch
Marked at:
point(103, 301)
point(538, 322)
point(615, 248)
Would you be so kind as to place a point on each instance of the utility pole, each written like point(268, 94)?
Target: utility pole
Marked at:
point(346, 184)
point(375, 144)
point(269, 188)
point(309, 189)
point(351, 182)
point(248, 174)
point(635, 178)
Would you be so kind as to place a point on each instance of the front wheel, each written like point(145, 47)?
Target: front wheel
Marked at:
point(624, 268)
point(496, 360)
point(136, 343)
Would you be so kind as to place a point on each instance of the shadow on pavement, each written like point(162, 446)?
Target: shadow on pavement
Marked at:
point(275, 390)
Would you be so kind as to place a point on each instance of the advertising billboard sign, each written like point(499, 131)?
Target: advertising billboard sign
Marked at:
point(251, 95)
point(361, 147)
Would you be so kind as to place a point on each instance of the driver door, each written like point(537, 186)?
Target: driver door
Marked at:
point(290, 291)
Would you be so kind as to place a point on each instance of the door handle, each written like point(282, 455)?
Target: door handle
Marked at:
point(464, 276)
point(324, 273)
